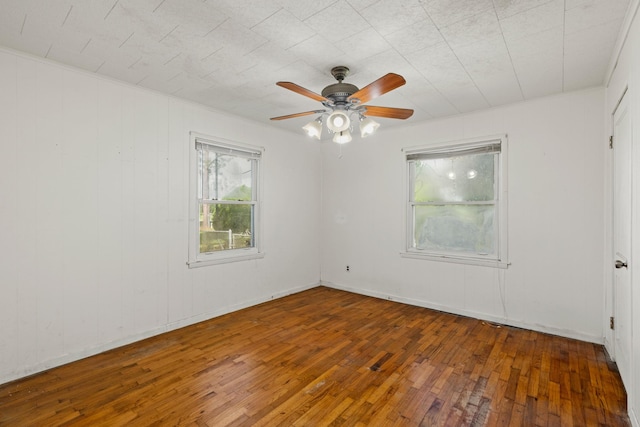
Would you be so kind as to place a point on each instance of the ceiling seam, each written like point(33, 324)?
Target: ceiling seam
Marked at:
point(100, 66)
point(266, 18)
point(455, 107)
point(456, 56)
point(458, 21)
point(466, 71)
point(322, 10)
point(67, 17)
point(460, 62)
point(168, 34)
point(158, 6)
point(111, 10)
point(525, 10)
point(216, 27)
point(212, 53)
point(506, 46)
point(136, 61)
point(179, 53)
point(85, 45)
point(126, 40)
point(564, 40)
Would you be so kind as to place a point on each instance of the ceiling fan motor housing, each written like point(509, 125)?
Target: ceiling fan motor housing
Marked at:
point(339, 92)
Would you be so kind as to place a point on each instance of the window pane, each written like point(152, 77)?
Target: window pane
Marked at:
point(225, 177)
point(455, 179)
point(226, 226)
point(458, 228)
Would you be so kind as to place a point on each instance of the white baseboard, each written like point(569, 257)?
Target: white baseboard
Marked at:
point(92, 351)
point(467, 313)
point(67, 358)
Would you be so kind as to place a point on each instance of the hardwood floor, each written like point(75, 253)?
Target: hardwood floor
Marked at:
point(327, 357)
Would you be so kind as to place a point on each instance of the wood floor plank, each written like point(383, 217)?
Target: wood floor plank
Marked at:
point(325, 357)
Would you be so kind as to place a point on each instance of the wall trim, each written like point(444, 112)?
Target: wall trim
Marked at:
point(72, 357)
point(75, 356)
point(467, 313)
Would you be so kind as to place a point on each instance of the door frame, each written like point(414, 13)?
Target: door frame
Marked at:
point(610, 256)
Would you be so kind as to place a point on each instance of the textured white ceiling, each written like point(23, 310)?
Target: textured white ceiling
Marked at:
point(456, 55)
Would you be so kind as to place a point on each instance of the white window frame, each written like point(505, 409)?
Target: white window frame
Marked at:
point(497, 260)
point(197, 259)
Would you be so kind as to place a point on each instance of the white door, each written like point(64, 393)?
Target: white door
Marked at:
point(622, 239)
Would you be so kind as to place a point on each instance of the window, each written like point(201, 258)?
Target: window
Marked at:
point(225, 188)
point(456, 203)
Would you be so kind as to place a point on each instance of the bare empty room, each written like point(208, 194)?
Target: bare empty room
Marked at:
point(459, 250)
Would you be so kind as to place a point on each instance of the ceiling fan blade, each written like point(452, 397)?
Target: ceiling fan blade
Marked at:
point(291, 116)
point(302, 91)
point(379, 87)
point(388, 112)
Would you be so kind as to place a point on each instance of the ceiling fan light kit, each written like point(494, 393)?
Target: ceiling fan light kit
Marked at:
point(342, 137)
point(338, 121)
point(343, 100)
point(314, 128)
point(368, 126)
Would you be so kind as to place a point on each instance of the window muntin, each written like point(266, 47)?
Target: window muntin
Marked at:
point(455, 205)
point(225, 222)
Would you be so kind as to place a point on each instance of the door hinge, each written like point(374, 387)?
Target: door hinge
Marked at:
point(611, 323)
point(611, 141)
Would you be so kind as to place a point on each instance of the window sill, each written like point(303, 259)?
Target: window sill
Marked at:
point(456, 259)
point(224, 260)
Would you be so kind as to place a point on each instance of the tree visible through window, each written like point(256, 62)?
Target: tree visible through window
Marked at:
point(454, 206)
point(227, 199)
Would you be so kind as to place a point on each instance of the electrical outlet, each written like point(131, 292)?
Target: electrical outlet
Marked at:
point(348, 268)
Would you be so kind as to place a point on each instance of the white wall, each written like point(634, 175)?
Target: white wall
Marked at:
point(94, 208)
point(627, 75)
point(555, 226)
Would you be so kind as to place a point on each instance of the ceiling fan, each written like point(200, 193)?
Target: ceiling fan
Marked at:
point(342, 100)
